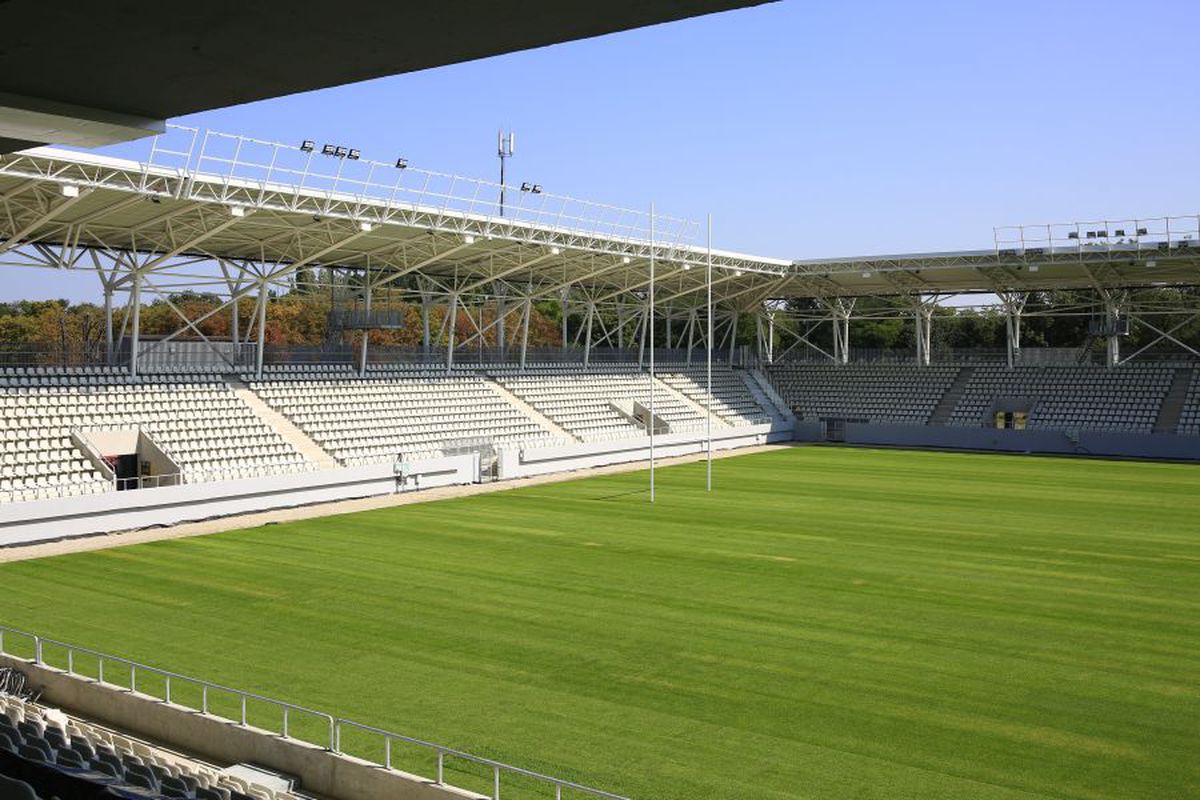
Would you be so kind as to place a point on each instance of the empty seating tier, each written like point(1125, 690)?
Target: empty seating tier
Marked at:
point(1189, 416)
point(732, 402)
point(883, 393)
point(195, 418)
point(389, 413)
point(44, 746)
point(1125, 398)
point(581, 401)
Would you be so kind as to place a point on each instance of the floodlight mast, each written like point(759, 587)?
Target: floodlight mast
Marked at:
point(506, 146)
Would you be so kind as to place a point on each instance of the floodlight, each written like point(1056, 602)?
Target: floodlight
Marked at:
point(537, 188)
point(737, 273)
point(468, 239)
point(526, 186)
point(340, 152)
point(353, 155)
point(625, 259)
point(327, 150)
point(866, 274)
point(686, 266)
point(366, 227)
point(69, 190)
point(401, 163)
point(554, 251)
point(237, 211)
point(307, 145)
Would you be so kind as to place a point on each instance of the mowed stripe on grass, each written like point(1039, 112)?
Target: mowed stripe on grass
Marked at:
point(830, 623)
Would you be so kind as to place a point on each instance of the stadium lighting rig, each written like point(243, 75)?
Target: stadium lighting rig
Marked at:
point(506, 147)
point(335, 150)
point(532, 188)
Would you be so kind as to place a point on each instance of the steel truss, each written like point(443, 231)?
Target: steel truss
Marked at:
point(246, 220)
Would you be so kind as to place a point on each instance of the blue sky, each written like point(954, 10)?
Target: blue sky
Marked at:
point(809, 129)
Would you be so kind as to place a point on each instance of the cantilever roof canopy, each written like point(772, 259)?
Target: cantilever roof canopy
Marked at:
point(268, 209)
point(90, 73)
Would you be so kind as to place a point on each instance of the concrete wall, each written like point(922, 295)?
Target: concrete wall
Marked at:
point(1163, 446)
point(226, 743)
point(515, 463)
point(43, 520)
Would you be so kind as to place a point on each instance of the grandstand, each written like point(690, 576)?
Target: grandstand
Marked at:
point(733, 640)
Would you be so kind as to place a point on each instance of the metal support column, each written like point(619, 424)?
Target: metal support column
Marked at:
point(450, 325)
point(587, 334)
point(771, 337)
point(734, 316)
point(426, 343)
point(565, 293)
point(923, 320)
point(135, 297)
point(1112, 316)
point(366, 333)
point(262, 328)
point(501, 340)
point(528, 312)
point(108, 324)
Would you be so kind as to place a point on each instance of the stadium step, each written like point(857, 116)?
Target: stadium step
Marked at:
point(945, 407)
point(1172, 404)
point(680, 397)
point(766, 396)
point(282, 425)
point(530, 411)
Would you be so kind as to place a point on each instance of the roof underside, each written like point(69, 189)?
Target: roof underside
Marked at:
point(165, 216)
point(88, 63)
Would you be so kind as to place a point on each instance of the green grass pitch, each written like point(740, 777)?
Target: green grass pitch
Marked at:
point(830, 623)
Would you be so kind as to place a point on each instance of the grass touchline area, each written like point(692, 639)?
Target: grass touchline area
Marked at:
point(829, 623)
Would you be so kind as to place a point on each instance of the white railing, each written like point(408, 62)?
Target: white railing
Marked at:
point(230, 168)
point(1119, 237)
point(38, 649)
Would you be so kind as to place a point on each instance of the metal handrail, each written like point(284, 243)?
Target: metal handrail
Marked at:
point(334, 724)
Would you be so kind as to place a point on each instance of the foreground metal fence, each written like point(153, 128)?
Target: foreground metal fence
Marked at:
point(64, 656)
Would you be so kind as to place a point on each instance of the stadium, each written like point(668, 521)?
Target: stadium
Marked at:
point(364, 480)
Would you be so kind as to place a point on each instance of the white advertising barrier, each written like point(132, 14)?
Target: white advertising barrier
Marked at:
point(523, 463)
point(42, 520)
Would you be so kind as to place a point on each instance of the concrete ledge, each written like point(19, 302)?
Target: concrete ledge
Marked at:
point(565, 458)
point(44, 520)
point(222, 742)
point(1108, 444)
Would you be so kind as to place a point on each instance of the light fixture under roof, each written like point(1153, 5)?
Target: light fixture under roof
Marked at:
point(237, 211)
point(625, 259)
point(366, 227)
point(468, 239)
point(688, 266)
point(69, 190)
point(555, 251)
point(866, 274)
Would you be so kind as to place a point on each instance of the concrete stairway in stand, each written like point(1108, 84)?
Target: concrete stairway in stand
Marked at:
point(531, 412)
point(296, 437)
point(767, 398)
point(1172, 405)
point(945, 407)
